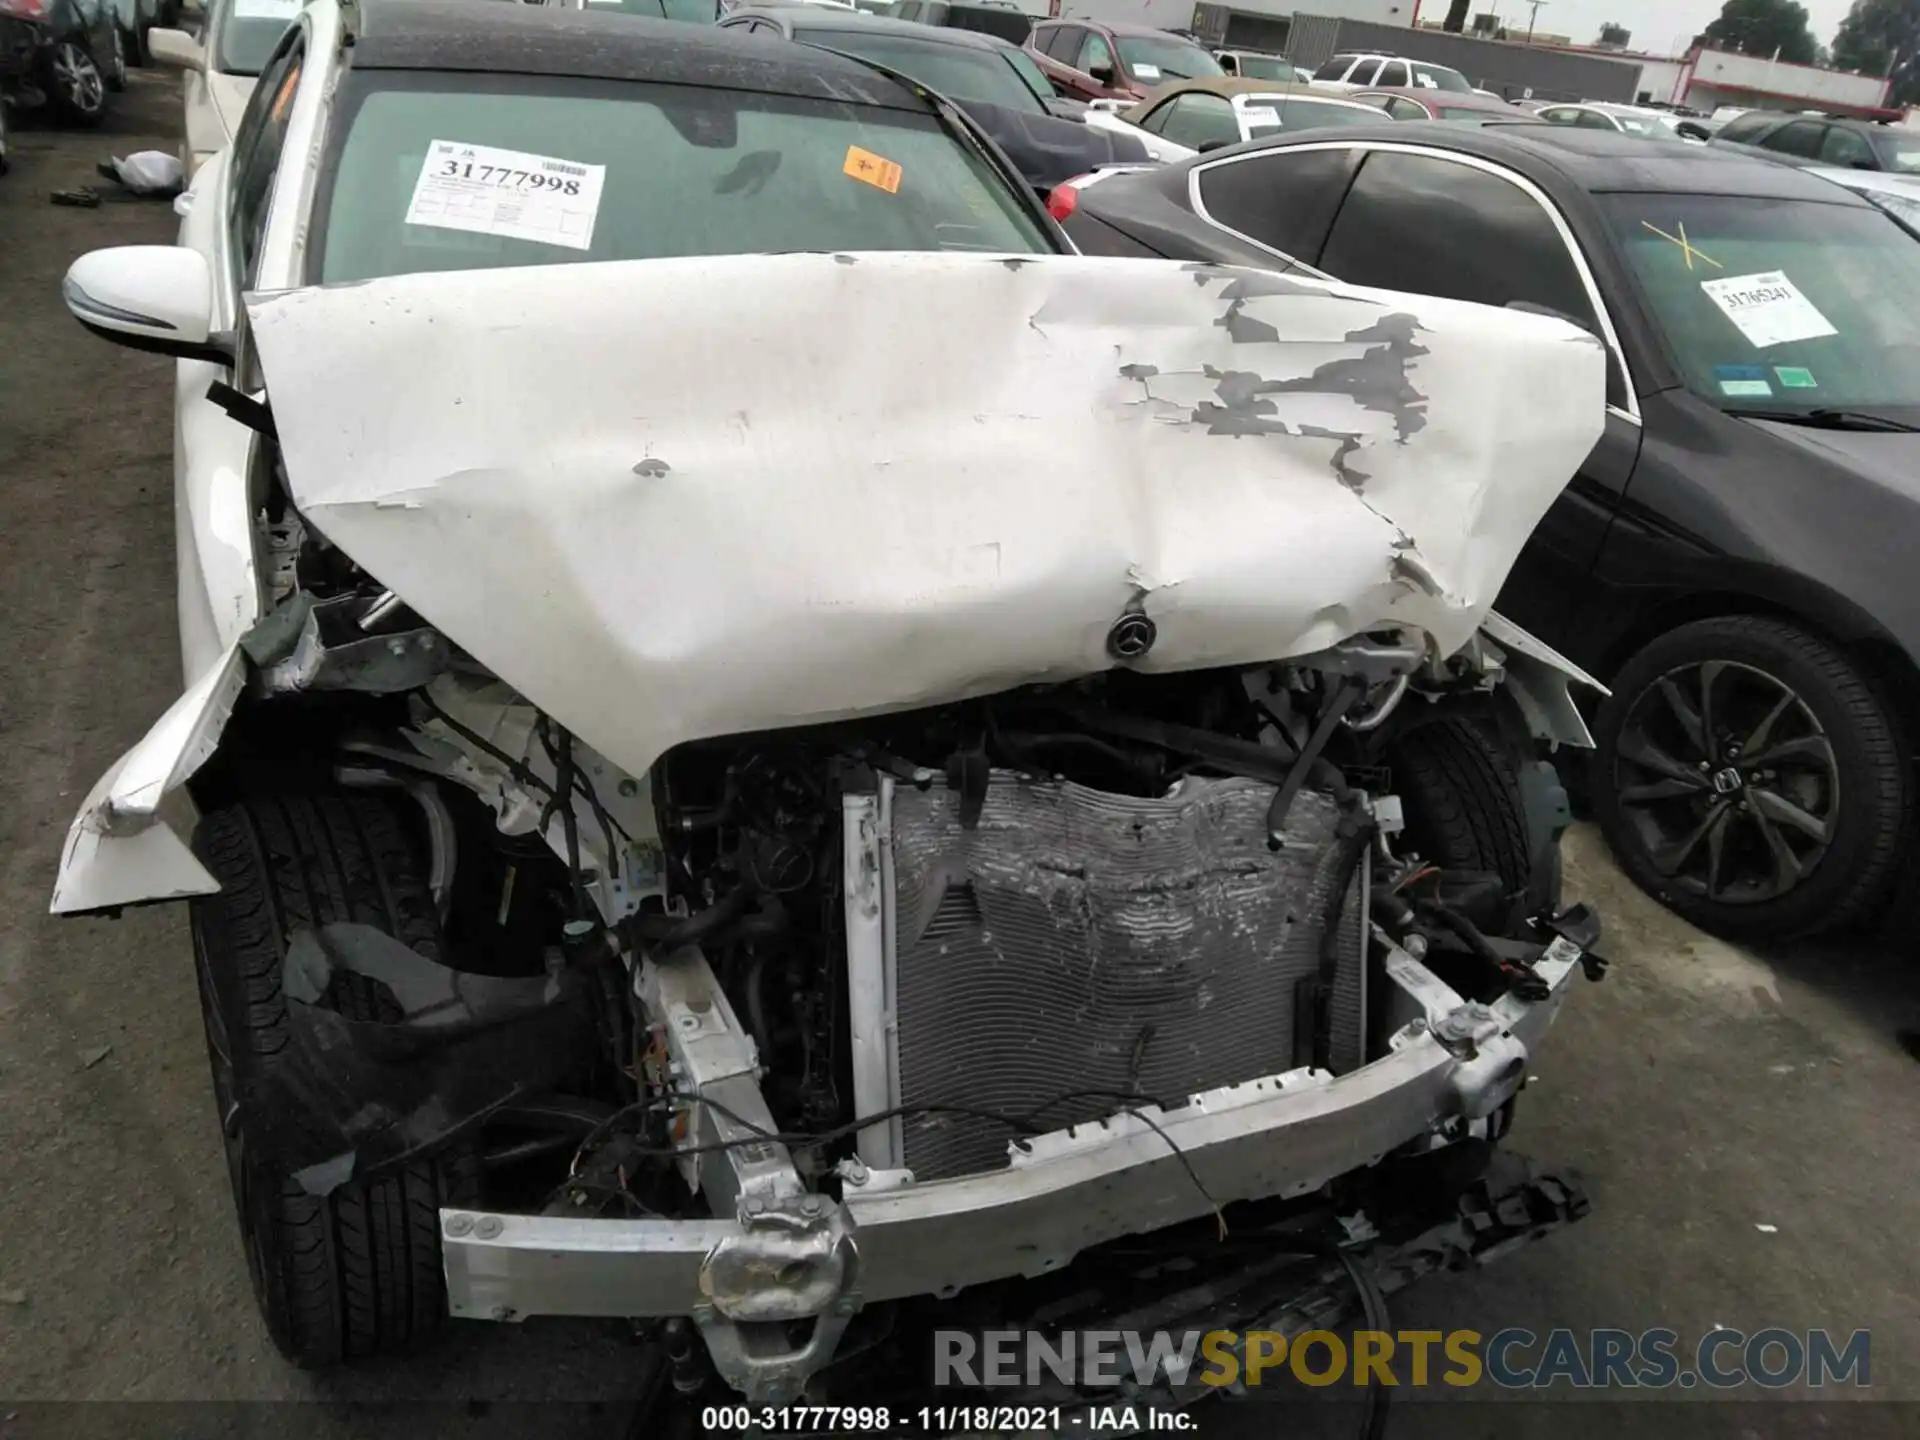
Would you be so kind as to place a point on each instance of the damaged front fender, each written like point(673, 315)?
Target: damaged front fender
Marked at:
point(121, 849)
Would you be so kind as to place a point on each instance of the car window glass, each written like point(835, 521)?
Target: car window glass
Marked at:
point(959, 72)
point(1440, 77)
point(1365, 73)
point(671, 169)
point(1031, 75)
point(1155, 118)
point(1196, 119)
point(1801, 138)
point(1285, 199)
point(1746, 129)
point(1483, 238)
point(1845, 279)
point(1401, 108)
point(1317, 114)
point(1842, 146)
point(242, 43)
point(1334, 69)
point(1394, 72)
point(1594, 120)
point(1559, 115)
point(256, 155)
point(1897, 148)
point(1094, 54)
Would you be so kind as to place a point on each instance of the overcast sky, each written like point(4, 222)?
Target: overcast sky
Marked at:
point(1662, 28)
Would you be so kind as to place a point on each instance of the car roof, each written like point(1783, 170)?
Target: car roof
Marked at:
point(1452, 99)
point(541, 40)
point(1115, 27)
point(818, 20)
point(1231, 85)
point(1600, 161)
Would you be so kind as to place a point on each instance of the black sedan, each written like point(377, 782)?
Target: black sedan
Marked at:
point(997, 84)
point(1736, 557)
point(63, 55)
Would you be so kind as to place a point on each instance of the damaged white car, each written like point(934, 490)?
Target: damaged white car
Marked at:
point(693, 817)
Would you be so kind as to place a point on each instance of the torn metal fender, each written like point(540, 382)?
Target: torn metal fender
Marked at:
point(667, 500)
point(1541, 681)
point(119, 849)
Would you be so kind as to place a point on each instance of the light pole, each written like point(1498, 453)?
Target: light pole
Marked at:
point(1535, 15)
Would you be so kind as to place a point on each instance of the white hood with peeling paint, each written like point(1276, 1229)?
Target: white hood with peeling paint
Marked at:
point(675, 499)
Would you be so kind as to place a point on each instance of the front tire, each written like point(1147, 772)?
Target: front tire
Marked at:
point(1462, 800)
point(1749, 778)
point(76, 89)
point(116, 72)
point(356, 1272)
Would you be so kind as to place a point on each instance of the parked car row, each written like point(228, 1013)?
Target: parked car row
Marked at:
point(1730, 559)
point(609, 831)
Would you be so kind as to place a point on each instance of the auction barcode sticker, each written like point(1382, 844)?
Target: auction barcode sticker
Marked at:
point(1768, 308)
point(507, 193)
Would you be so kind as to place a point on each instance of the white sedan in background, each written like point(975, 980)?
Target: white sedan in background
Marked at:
point(1627, 119)
point(236, 36)
point(1179, 121)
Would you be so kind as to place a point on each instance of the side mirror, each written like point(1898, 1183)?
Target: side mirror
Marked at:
point(176, 48)
point(147, 297)
point(1102, 74)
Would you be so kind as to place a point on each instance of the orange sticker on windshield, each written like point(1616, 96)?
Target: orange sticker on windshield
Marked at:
point(881, 173)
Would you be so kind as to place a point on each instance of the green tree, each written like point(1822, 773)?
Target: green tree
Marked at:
point(1456, 16)
point(1762, 28)
point(1612, 34)
point(1882, 37)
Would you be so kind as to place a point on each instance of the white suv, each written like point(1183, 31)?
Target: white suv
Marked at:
point(1383, 72)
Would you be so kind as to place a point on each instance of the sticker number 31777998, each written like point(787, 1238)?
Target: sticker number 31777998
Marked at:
point(488, 191)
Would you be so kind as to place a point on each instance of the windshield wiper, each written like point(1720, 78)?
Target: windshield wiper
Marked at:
point(1830, 420)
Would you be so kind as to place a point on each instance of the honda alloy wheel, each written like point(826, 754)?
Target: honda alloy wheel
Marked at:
point(79, 91)
point(1749, 778)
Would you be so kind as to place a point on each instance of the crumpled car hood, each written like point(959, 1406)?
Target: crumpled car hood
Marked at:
point(675, 499)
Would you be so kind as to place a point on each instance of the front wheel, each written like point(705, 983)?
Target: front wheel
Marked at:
point(75, 86)
point(116, 75)
point(357, 1271)
point(1750, 779)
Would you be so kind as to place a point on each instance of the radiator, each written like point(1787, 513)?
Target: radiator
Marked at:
point(1080, 941)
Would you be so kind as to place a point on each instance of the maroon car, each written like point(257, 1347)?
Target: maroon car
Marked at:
point(1086, 61)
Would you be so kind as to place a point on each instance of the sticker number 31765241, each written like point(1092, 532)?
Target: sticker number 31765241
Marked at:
point(508, 193)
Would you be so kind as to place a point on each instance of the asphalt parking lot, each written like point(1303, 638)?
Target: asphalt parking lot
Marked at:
point(1747, 1124)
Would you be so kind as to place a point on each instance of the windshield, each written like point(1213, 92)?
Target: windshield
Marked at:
point(1782, 306)
point(1642, 125)
point(1265, 67)
point(700, 12)
point(1439, 77)
point(1265, 114)
point(473, 172)
point(1165, 57)
point(245, 34)
point(958, 72)
point(1035, 78)
point(1897, 149)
